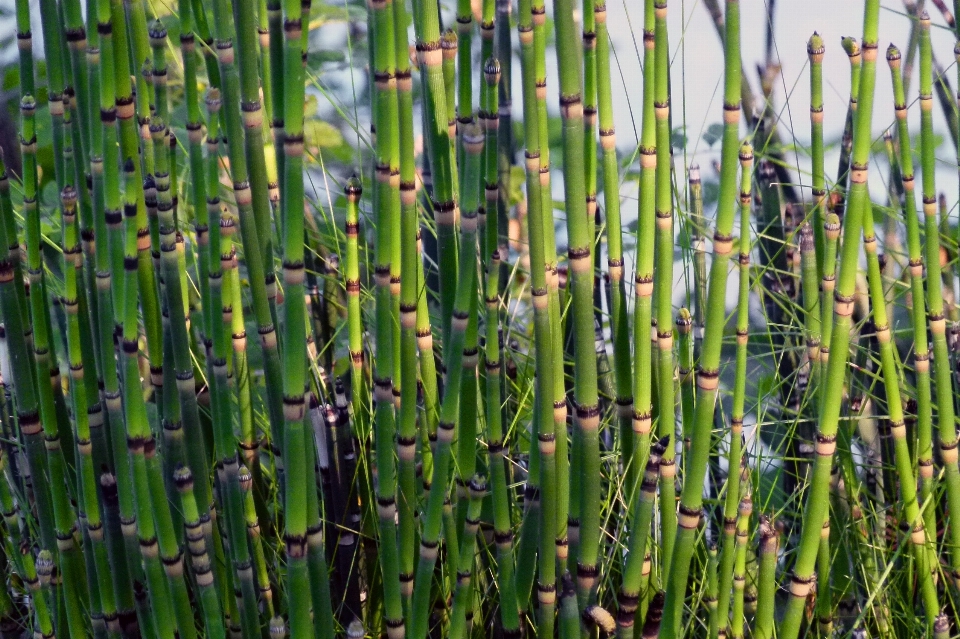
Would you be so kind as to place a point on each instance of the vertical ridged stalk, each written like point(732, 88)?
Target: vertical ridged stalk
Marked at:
point(691, 499)
point(817, 500)
point(587, 419)
point(431, 54)
point(386, 198)
point(109, 254)
point(200, 562)
point(543, 399)
point(735, 447)
point(299, 459)
point(101, 590)
point(620, 329)
point(243, 195)
point(740, 566)
point(590, 98)
point(449, 410)
point(921, 347)
point(767, 581)
point(710, 596)
point(854, 56)
point(897, 425)
point(462, 614)
point(182, 363)
point(663, 277)
point(409, 267)
point(247, 47)
point(47, 375)
point(936, 321)
point(638, 561)
point(643, 277)
point(810, 287)
point(224, 439)
point(815, 51)
point(502, 520)
point(139, 438)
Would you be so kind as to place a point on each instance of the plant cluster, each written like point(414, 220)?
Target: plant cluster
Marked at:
point(444, 427)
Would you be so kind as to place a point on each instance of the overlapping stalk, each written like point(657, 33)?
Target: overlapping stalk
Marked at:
point(449, 410)
point(409, 267)
point(815, 509)
point(663, 290)
point(542, 428)
point(386, 197)
point(735, 447)
point(635, 455)
point(579, 254)
point(936, 322)
point(620, 330)
point(921, 348)
point(150, 280)
point(691, 498)
point(502, 520)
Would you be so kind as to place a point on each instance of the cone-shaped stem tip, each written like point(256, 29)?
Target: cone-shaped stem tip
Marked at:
point(815, 46)
point(893, 54)
point(850, 45)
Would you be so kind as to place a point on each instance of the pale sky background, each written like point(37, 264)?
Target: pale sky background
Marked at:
point(697, 72)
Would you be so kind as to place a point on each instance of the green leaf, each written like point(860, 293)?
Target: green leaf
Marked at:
point(713, 133)
point(711, 192)
point(316, 58)
point(320, 134)
point(678, 138)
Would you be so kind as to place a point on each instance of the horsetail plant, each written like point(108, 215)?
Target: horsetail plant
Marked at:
point(830, 399)
point(347, 495)
point(691, 498)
